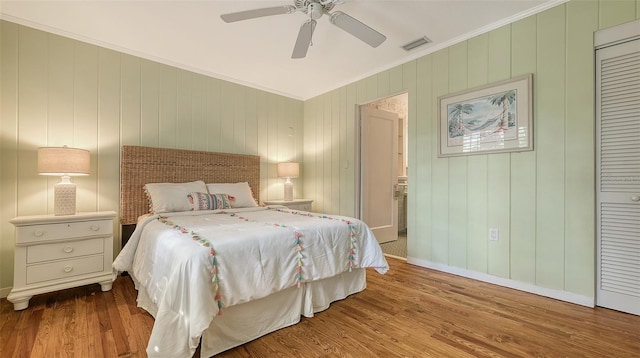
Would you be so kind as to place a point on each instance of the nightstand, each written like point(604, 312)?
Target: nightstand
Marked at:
point(58, 252)
point(295, 204)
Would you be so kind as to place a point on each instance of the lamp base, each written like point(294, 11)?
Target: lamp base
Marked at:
point(64, 198)
point(288, 191)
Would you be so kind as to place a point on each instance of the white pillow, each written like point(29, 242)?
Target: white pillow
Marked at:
point(241, 193)
point(170, 197)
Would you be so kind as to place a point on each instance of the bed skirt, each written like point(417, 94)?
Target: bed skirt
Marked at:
point(245, 322)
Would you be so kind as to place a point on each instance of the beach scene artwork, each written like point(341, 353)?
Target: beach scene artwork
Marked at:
point(484, 119)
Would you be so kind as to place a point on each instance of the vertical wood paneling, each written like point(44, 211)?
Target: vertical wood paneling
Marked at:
point(60, 101)
point(550, 138)
point(130, 100)
point(539, 213)
point(263, 144)
point(335, 152)
point(361, 97)
point(309, 151)
point(383, 84)
point(478, 55)
point(396, 82)
point(108, 171)
point(57, 91)
point(168, 109)
point(498, 165)
point(199, 112)
point(327, 150)
point(149, 103)
point(345, 196)
point(582, 21)
point(616, 12)
point(320, 154)
point(523, 165)
point(439, 169)
point(239, 125)
point(8, 146)
point(226, 125)
point(251, 124)
point(32, 122)
point(60, 92)
point(422, 128)
point(458, 168)
point(214, 115)
point(85, 124)
point(352, 95)
point(184, 106)
point(274, 183)
point(371, 94)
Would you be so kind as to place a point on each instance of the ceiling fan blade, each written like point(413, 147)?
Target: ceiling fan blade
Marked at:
point(304, 39)
point(357, 28)
point(252, 14)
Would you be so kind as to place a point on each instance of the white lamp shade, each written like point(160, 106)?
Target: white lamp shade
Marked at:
point(62, 161)
point(288, 170)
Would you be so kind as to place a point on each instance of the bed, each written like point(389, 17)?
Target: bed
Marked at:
point(219, 270)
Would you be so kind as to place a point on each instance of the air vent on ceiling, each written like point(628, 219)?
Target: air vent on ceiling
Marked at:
point(416, 43)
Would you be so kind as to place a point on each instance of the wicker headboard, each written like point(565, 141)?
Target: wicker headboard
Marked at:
point(141, 165)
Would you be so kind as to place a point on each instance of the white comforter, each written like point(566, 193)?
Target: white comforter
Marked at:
point(255, 252)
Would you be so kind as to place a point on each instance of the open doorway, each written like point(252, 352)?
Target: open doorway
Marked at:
point(383, 202)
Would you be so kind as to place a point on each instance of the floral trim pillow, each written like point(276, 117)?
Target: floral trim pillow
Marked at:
point(239, 193)
point(206, 201)
point(171, 197)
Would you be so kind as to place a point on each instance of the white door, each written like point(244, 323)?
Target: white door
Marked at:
point(618, 176)
point(379, 172)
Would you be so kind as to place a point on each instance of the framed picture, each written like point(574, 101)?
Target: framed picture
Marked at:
point(490, 119)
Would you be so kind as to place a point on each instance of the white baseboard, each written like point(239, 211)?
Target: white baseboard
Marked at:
point(4, 292)
point(521, 286)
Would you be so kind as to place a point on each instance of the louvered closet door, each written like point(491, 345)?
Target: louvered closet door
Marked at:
point(618, 156)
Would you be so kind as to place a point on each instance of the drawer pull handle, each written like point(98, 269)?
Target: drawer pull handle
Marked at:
point(94, 228)
point(635, 198)
point(38, 233)
point(68, 269)
point(68, 249)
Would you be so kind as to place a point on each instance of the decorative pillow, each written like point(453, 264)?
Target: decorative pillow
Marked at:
point(206, 201)
point(239, 193)
point(170, 197)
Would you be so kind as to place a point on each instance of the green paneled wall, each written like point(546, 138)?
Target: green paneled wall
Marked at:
point(541, 201)
point(57, 91)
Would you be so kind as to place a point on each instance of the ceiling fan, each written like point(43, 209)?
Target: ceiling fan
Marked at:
point(314, 9)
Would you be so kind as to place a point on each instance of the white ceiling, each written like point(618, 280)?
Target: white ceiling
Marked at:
point(257, 52)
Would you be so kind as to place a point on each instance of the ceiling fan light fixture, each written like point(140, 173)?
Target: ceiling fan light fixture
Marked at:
point(416, 43)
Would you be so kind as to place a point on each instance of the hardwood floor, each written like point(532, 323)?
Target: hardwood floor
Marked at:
point(409, 312)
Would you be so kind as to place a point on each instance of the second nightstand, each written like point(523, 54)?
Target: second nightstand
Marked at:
point(58, 252)
point(295, 204)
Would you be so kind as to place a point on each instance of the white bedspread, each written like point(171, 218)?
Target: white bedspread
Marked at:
point(256, 255)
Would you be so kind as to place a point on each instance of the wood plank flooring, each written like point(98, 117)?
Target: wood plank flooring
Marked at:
point(409, 312)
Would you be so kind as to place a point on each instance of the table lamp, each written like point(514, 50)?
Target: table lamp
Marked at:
point(65, 162)
point(288, 170)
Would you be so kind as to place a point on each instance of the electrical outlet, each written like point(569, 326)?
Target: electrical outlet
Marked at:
point(494, 234)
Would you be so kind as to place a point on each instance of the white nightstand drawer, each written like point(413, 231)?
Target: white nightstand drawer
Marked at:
point(66, 268)
point(70, 249)
point(48, 232)
point(302, 207)
point(295, 204)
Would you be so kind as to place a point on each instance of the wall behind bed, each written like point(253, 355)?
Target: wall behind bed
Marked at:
point(57, 91)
